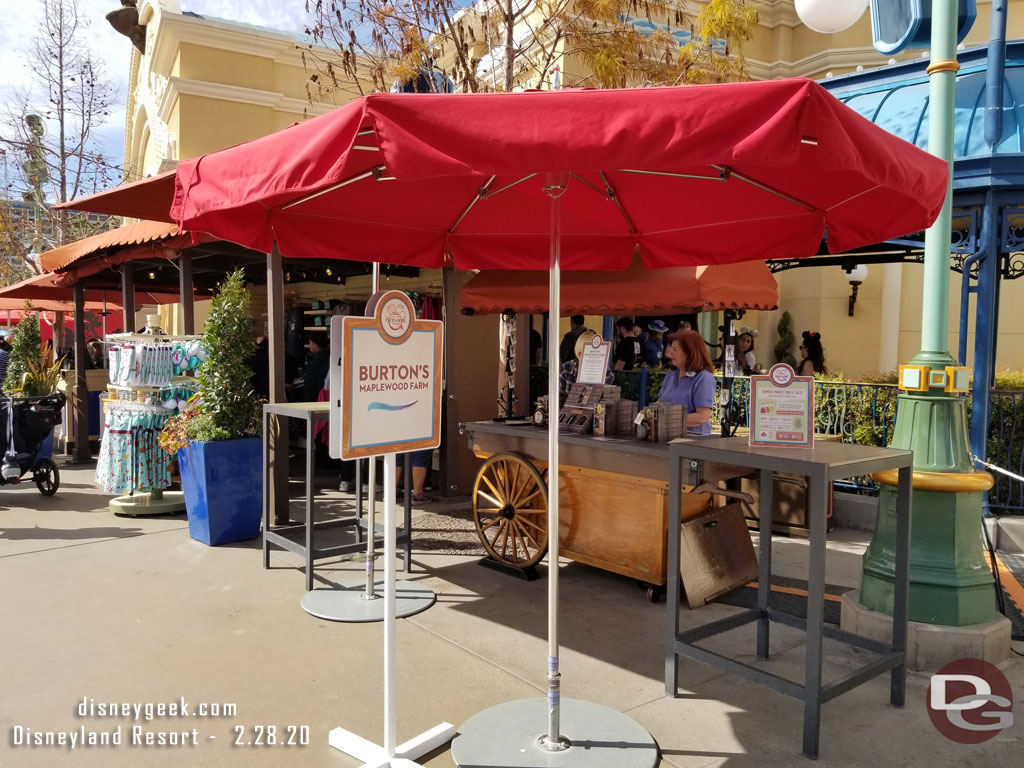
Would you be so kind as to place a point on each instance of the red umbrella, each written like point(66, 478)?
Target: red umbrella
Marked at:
point(693, 175)
point(577, 179)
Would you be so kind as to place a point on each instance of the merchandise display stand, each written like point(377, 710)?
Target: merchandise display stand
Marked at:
point(148, 400)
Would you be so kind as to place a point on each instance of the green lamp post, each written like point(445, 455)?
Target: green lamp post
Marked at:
point(950, 582)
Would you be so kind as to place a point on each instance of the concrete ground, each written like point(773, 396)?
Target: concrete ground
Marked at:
point(104, 609)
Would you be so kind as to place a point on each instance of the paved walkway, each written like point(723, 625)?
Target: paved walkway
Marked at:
point(103, 609)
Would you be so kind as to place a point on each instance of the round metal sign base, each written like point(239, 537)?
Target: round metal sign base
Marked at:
point(346, 602)
point(510, 735)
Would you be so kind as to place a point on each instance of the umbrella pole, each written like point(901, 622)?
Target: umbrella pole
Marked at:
point(555, 187)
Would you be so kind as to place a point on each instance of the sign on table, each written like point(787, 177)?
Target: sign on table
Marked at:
point(594, 362)
point(781, 408)
point(386, 384)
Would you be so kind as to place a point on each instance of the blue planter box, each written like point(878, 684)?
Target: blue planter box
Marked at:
point(222, 482)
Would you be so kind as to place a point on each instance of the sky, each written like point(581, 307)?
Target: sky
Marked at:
point(20, 26)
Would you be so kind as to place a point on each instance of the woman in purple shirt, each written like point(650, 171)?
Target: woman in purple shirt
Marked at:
point(690, 383)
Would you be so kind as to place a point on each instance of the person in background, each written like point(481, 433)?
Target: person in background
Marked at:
point(95, 357)
point(653, 344)
point(317, 367)
point(260, 365)
point(419, 464)
point(812, 355)
point(5, 358)
point(565, 349)
point(570, 369)
point(691, 383)
point(745, 353)
point(536, 344)
point(627, 351)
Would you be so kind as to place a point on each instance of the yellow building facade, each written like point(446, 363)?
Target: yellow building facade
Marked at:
point(204, 84)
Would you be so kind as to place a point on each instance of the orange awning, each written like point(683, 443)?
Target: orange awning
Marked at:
point(148, 198)
point(680, 290)
point(140, 233)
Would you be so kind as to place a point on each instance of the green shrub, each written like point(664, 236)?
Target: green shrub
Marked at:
point(785, 342)
point(26, 351)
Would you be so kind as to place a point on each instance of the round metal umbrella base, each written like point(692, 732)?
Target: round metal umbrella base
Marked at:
point(346, 602)
point(509, 735)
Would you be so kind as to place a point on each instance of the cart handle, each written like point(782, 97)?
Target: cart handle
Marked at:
point(712, 488)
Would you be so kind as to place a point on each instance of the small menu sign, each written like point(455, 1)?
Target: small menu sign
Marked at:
point(781, 409)
point(594, 362)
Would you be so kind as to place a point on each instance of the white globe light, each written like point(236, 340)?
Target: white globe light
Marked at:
point(830, 16)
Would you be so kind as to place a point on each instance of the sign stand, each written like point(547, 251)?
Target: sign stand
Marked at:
point(390, 755)
point(385, 398)
point(359, 600)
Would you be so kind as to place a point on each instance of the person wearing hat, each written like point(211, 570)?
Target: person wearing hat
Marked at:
point(652, 343)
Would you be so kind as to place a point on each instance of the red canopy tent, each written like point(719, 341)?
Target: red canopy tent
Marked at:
point(692, 175)
point(142, 199)
point(676, 290)
point(48, 287)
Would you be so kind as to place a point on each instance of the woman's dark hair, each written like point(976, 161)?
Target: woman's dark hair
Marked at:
point(697, 357)
point(812, 347)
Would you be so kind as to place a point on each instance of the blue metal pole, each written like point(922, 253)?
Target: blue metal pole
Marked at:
point(965, 300)
point(985, 329)
point(994, 70)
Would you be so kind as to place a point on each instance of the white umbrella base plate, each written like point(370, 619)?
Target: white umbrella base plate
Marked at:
point(346, 602)
point(509, 736)
point(143, 503)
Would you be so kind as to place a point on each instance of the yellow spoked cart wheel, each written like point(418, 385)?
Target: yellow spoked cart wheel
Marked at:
point(510, 510)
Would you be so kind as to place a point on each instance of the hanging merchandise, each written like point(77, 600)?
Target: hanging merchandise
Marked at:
point(130, 456)
point(148, 384)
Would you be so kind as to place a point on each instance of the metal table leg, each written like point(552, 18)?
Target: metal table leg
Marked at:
point(818, 492)
point(901, 590)
point(675, 513)
point(764, 545)
point(266, 490)
point(310, 469)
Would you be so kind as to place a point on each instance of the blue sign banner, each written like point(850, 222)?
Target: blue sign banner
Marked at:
point(900, 24)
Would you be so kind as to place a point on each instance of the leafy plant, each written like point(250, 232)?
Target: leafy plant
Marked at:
point(40, 380)
point(225, 408)
point(785, 342)
point(25, 349)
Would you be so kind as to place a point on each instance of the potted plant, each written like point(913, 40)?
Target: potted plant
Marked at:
point(219, 456)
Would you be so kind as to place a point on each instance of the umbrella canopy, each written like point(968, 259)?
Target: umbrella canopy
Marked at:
point(16, 306)
point(46, 287)
point(143, 199)
point(692, 175)
point(677, 290)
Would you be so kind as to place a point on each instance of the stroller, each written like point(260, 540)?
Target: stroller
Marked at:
point(26, 427)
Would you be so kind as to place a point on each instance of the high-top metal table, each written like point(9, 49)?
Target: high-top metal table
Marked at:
point(285, 536)
point(821, 465)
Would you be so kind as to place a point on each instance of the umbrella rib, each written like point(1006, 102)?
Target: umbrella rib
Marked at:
point(608, 193)
point(480, 195)
point(729, 173)
point(352, 179)
point(720, 177)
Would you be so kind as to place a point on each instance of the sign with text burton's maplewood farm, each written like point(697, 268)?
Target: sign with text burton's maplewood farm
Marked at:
point(390, 379)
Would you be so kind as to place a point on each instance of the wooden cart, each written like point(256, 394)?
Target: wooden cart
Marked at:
point(613, 499)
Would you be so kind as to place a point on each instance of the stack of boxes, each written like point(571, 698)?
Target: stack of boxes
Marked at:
point(664, 422)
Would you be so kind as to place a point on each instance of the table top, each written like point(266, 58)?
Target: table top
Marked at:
point(529, 432)
point(834, 460)
point(315, 411)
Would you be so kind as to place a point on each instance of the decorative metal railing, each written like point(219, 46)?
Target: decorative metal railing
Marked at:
point(866, 414)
